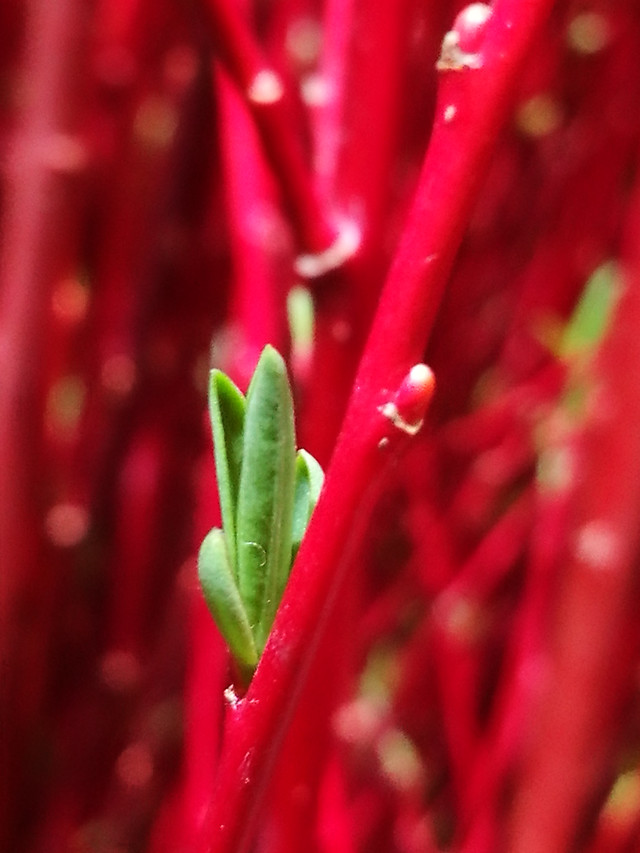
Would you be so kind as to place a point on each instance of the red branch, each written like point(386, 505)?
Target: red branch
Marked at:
point(455, 162)
point(594, 638)
point(264, 91)
point(39, 243)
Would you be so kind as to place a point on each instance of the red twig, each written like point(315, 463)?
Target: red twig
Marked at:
point(39, 241)
point(360, 76)
point(591, 665)
point(264, 91)
point(458, 153)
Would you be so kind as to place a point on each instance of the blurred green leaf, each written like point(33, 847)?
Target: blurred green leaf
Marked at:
point(592, 314)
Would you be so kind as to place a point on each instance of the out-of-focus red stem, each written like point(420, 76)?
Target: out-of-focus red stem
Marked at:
point(265, 96)
point(592, 664)
point(39, 237)
point(495, 556)
point(207, 668)
point(361, 72)
point(457, 156)
point(257, 239)
point(42, 157)
point(488, 775)
point(361, 69)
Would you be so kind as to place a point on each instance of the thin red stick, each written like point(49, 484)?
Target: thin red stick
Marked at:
point(265, 95)
point(39, 236)
point(592, 664)
point(456, 159)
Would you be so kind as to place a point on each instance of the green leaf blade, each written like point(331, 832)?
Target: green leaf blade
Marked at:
point(592, 314)
point(308, 485)
point(227, 407)
point(265, 498)
point(223, 600)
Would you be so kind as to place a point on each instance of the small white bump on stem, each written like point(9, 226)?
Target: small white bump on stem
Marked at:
point(390, 411)
point(461, 45)
point(407, 408)
point(343, 247)
point(450, 113)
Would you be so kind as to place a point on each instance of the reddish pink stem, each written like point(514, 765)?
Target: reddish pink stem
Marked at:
point(258, 240)
point(591, 656)
point(361, 73)
point(264, 92)
point(39, 237)
point(457, 156)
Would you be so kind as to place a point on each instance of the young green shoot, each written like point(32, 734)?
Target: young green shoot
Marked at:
point(267, 495)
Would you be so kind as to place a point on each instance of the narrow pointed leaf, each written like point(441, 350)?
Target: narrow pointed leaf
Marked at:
point(265, 499)
point(223, 600)
point(308, 484)
point(590, 319)
point(227, 410)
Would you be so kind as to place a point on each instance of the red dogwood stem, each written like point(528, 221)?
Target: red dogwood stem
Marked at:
point(39, 231)
point(265, 94)
point(472, 104)
point(591, 667)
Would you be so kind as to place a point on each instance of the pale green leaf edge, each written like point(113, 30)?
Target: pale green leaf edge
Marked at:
point(308, 485)
point(227, 408)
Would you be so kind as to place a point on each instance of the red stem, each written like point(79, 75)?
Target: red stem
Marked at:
point(245, 62)
point(360, 70)
point(591, 667)
point(39, 235)
point(456, 159)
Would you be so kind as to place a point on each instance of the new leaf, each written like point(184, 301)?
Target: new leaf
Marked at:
point(265, 498)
